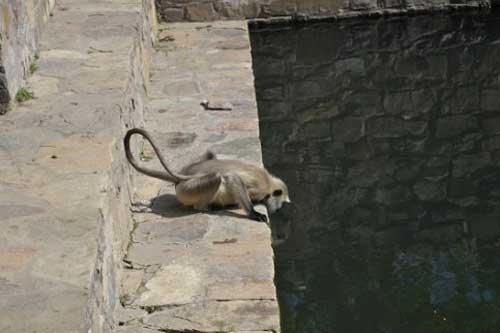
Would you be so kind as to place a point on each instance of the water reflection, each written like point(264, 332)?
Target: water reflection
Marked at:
point(388, 135)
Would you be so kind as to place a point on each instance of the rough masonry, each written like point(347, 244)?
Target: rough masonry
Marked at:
point(209, 10)
point(389, 129)
point(64, 187)
point(21, 24)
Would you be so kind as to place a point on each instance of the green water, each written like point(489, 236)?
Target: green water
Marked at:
point(387, 132)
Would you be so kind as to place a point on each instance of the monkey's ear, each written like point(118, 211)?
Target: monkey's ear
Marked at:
point(287, 199)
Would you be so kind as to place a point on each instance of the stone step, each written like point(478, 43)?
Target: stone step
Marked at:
point(64, 188)
point(191, 271)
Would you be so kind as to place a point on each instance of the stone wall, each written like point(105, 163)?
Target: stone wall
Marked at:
point(209, 10)
point(388, 134)
point(21, 23)
point(117, 223)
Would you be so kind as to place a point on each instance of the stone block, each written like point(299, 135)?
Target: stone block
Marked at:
point(455, 125)
point(468, 164)
point(362, 4)
point(218, 317)
point(351, 65)
point(201, 12)
point(182, 87)
point(280, 7)
point(393, 195)
point(319, 7)
point(462, 100)
point(315, 130)
point(491, 144)
point(491, 125)
point(390, 127)
point(173, 14)
point(348, 129)
point(490, 100)
point(172, 285)
point(430, 191)
point(484, 227)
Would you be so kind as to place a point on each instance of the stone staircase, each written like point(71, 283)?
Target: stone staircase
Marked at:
point(87, 245)
point(64, 187)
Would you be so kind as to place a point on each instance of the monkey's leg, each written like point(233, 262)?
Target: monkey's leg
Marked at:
point(198, 191)
point(237, 188)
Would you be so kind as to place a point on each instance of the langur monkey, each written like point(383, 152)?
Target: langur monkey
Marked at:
point(210, 181)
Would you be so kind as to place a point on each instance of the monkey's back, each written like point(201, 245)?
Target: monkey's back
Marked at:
point(255, 178)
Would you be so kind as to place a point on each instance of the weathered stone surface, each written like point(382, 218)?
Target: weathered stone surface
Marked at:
point(411, 187)
point(200, 12)
point(491, 125)
point(316, 129)
point(391, 196)
point(172, 285)
point(489, 101)
point(492, 144)
point(131, 281)
point(485, 227)
point(207, 271)
point(20, 29)
point(348, 129)
point(467, 164)
point(234, 9)
point(218, 317)
point(173, 14)
point(455, 125)
point(62, 166)
point(429, 191)
point(389, 127)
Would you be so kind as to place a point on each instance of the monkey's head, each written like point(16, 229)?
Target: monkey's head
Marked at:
point(278, 195)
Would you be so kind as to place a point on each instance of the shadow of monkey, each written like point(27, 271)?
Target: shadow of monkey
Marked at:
point(167, 205)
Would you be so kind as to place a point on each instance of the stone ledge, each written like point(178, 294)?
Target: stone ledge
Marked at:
point(63, 173)
point(209, 267)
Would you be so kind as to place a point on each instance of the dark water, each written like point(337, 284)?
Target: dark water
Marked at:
point(388, 134)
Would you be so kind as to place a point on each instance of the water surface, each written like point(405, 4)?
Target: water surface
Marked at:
point(388, 134)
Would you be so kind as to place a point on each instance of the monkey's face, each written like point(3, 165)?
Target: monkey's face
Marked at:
point(278, 196)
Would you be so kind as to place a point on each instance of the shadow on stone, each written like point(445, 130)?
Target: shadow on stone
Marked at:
point(167, 205)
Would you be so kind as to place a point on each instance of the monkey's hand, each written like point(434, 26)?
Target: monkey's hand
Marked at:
point(255, 215)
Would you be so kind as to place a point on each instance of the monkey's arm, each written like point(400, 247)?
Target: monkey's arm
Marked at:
point(237, 188)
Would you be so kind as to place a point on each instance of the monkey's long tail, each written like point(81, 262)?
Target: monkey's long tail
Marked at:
point(168, 175)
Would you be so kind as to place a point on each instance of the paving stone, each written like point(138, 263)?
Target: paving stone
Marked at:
point(131, 281)
point(61, 223)
point(205, 271)
point(218, 317)
point(172, 285)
